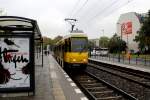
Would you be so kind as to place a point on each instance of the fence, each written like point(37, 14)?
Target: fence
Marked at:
point(144, 61)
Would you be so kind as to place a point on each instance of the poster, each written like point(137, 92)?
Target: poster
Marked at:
point(14, 62)
point(126, 28)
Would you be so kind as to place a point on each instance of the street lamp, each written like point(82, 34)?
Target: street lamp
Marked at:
point(120, 42)
point(102, 45)
point(103, 31)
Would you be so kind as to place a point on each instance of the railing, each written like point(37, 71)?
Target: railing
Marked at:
point(140, 61)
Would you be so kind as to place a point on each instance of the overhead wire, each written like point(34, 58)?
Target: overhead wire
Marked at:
point(103, 10)
point(80, 9)
point(77, 3)
point(84, 4)
point(75, 6)
point(119, 7)
point(109, 13)
point(114, 10)
point(93, 8)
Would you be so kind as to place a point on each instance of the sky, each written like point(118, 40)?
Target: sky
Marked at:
point(95, 17)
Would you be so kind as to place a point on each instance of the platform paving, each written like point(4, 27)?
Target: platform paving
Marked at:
point(63, 86)
point(51, 83)
point(43, 85)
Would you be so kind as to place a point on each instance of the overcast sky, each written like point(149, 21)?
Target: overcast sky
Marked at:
point(93, 15)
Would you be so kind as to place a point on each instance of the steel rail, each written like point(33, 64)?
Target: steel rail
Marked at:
point(130, 97)
point(109, 86)
point(115, 74)
point(123, 69)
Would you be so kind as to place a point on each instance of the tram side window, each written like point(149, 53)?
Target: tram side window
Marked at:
point(67, 45)
point(63, 48)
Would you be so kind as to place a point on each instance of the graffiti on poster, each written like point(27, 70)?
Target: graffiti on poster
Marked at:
point(14, 63)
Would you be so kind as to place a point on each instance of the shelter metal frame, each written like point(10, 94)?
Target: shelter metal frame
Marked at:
point(19, 28)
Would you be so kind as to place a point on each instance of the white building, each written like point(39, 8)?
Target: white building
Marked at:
point(127, 27)
point(2, 12)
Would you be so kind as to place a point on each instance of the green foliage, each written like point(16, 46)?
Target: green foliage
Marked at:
point(116, 45)
point(46, 41)
point(90, 45)
point(143, 36)
point(103, 42)
point(49, 41)
point(56, 39)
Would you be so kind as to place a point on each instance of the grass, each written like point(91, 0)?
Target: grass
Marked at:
point(143, 56)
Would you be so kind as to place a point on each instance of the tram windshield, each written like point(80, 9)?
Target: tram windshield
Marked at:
point(79, 44)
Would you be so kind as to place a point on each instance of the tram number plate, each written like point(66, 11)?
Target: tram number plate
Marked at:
point(76, 65)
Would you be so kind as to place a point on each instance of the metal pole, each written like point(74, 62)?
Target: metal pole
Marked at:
point(121, 38)
point(42, 51)
point(36, 52)
point(145, 60)
point(120, 42)
point(103, 31)
point(136, 60)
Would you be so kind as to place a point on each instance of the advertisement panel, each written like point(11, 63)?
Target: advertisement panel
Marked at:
point(126, 28)
point(14, 62)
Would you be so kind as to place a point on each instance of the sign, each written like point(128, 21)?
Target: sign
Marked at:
point(14, 62)
point(126, 28)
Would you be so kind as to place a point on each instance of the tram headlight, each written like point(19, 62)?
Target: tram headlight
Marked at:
point(74, 60)
point(84, 60)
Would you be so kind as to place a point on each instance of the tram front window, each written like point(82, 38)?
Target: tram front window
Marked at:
point(79, 44)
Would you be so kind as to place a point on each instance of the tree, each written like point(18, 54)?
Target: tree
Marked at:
point(143, 36)
point(116, 45)
point(47, 41)
point(103, 42)
point(56, 39)
point(90, 45)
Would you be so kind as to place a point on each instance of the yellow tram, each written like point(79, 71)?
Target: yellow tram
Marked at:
point(72, 51)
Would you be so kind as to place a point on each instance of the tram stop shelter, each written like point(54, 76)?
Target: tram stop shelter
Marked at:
point(18, 39)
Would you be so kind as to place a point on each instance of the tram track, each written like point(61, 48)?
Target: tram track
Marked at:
point(98, 89)
point(103, 81)
point(136, 78)
point(134, 82)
